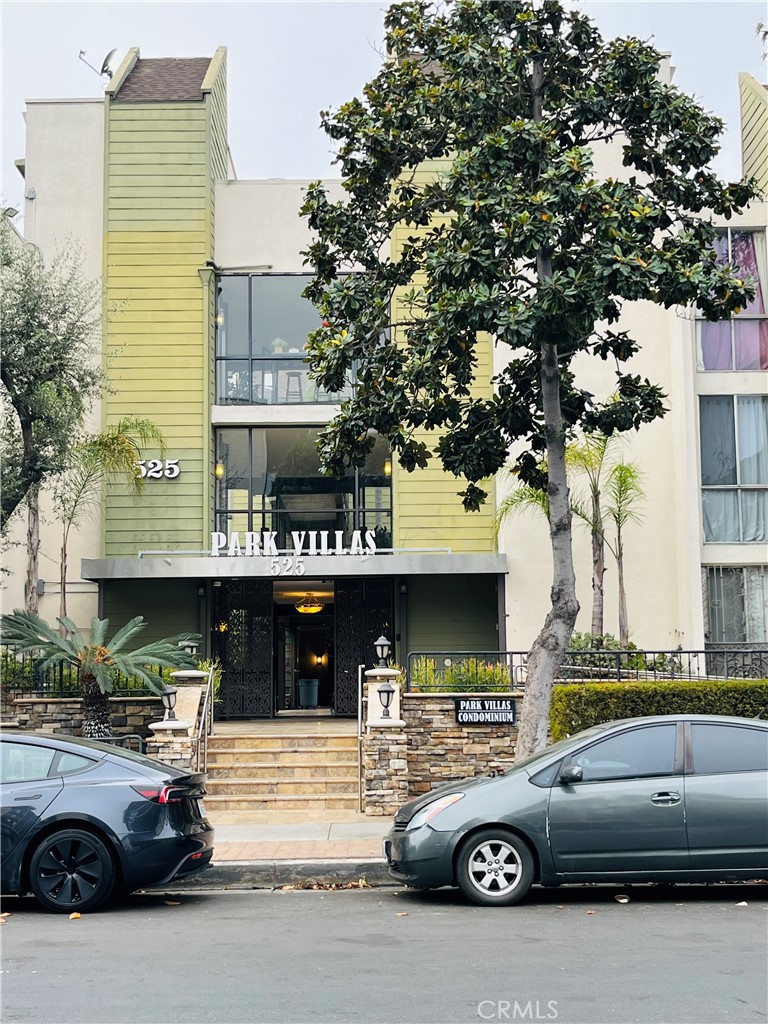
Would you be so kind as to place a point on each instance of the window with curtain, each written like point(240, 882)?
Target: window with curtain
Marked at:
point(734, 468)
point(736, 604)
point(740, 343)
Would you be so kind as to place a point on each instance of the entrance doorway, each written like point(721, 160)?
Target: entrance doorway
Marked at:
point(304, 647)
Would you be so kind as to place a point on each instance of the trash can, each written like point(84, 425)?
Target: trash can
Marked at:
point(308, 693)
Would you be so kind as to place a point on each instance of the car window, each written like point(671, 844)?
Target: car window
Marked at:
point(630, 755)
point(729, 748)
point(68, 763)
point(24, 762)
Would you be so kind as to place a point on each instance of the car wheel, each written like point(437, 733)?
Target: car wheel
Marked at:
point(494, 868)
point(71, 870)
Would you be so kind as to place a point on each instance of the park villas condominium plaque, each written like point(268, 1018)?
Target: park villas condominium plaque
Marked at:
point(484, 710)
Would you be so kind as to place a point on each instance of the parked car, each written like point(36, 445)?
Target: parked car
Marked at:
point(81, 819)
point(679, 798)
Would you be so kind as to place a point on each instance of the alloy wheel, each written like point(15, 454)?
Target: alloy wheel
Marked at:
point(494, 868)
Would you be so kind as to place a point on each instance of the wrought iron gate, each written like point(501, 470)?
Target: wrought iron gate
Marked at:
point(364, 611)
point(242, 631)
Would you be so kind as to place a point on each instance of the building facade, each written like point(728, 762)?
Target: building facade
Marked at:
point(287, 574)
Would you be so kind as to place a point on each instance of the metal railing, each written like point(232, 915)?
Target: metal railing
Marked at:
point(204, 725)
point(490, 671)
point(23, 672)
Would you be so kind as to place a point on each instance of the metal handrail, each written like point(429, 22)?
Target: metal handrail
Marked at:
point(205, 726)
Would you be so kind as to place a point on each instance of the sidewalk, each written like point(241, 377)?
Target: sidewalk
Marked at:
point(268, 854)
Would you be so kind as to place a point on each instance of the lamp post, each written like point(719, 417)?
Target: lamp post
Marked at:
point(386, 692)
point(168, 697)
point(382, 646)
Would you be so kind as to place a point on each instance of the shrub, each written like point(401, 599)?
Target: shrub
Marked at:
point(465, 675)
point(578, 707)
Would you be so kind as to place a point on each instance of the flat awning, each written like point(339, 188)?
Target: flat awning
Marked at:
point(170, 566)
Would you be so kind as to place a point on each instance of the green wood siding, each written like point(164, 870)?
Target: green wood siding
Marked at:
point(161, 160)
point(754, 129)
point(452, 613)
point(169, 606)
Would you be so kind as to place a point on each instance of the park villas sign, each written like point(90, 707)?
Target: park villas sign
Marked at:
point(305, 542)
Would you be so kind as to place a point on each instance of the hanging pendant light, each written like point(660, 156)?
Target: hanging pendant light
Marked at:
point(309, 605)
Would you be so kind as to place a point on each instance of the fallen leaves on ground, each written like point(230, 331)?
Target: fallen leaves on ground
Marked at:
point(621, 898)
point(327, 886)
point(74, 917)
point(402, 913)
point(172, 903)
point(590, 912)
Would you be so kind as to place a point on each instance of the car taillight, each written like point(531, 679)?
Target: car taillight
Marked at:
point(159, 794)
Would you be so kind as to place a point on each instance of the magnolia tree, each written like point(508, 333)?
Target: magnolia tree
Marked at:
point(514, 234)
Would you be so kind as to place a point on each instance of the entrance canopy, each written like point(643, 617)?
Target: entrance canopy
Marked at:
point(181, 566)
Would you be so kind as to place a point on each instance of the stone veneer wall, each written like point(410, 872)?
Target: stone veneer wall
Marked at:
point(65, 714)
point(428, 750)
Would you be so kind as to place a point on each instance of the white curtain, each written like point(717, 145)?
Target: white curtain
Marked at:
point(721, 516)
point(756, 603)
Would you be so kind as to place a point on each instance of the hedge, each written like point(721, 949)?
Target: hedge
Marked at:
point(579, 706)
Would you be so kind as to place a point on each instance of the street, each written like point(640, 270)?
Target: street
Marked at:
point(682, 954)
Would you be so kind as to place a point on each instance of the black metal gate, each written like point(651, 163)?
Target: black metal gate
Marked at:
point(364, 611)
point(242, 641)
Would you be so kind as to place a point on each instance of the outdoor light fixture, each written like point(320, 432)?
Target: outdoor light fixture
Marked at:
point(219, 471)
point(222, 627)
point(382, 646)
point(168, 697)
point(309, 605)
point(386, 692)
point(387, 467)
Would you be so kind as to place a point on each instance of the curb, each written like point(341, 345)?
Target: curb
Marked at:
point(272, 874)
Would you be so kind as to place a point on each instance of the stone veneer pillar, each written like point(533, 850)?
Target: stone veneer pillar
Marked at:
point(385, 748)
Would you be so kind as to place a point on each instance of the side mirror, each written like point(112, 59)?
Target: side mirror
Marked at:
point(571, 773)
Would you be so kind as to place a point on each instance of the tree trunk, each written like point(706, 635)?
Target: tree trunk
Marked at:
point(549, 647)
point(63, 583)
point(598, 569)
point(33, 549)
point(623, 616)
point(96, 709)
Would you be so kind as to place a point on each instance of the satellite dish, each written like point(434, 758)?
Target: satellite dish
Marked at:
point(105, 68)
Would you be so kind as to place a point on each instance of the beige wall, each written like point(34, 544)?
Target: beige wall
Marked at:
point(65, 169)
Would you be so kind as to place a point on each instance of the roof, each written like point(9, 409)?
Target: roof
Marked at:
point(164, 79)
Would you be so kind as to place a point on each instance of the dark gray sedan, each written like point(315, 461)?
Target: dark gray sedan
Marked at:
point(680, 798)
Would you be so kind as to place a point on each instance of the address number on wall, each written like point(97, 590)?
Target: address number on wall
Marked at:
point(157, 469)
point(287, 566)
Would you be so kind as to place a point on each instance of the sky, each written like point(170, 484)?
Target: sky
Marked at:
point(288, 60)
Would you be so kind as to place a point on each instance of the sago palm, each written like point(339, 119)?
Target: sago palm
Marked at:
point(97, 660)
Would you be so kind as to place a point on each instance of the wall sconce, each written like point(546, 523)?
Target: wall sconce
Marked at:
point(219, 471)
point(223, 627)
point(387, 467)
point(386, 692)
point(168, 697)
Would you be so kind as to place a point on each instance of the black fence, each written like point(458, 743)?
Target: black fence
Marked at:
point(23, 672)
point(490, 671)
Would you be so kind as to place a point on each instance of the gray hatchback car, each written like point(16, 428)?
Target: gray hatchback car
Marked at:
point(679, 798)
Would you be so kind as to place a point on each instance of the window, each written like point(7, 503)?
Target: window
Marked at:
point(630, 755)
point(737, 604)
point(262, 326)
point(269, 479)
point(22, 762)
point(69, 763)
point(734, 467)
point(740, 343)
point(729, 748)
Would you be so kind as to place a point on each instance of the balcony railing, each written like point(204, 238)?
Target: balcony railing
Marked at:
point(281, 381)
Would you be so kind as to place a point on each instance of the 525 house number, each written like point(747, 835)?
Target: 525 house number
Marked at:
point(156, 469)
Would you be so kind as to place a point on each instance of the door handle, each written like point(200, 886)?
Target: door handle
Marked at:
point(32, 796)
point(665, 799)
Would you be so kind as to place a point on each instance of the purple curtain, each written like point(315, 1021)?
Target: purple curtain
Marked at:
point(750, 336)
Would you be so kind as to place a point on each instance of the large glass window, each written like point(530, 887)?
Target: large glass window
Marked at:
point(269, 479)
point(262, 326)
point(737, 604)
point(740, 343)
point(734, 467)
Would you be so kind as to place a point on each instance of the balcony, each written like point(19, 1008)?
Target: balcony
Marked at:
point(276, 381)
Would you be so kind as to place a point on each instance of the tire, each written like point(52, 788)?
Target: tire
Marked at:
point(495, 868)
point(72, 870)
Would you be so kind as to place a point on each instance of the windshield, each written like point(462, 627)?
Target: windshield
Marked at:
point(562, 745)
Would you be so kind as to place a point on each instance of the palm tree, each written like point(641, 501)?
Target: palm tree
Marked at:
point(97, 661)
point(95, 459)
point(624, 490)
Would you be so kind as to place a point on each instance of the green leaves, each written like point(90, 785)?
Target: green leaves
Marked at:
point(459, 191)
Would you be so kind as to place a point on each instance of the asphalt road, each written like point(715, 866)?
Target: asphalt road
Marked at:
point(572, 955)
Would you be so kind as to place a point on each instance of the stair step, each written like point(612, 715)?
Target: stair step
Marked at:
point(281, 802)
point(239, 787)
point(308, 743)
point(219, 757)
point(261, 770)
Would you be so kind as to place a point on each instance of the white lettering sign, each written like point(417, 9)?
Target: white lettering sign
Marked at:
point(305, 542)
point(155, 469)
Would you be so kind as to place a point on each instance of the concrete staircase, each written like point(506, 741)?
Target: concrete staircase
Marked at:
point(278, 772)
